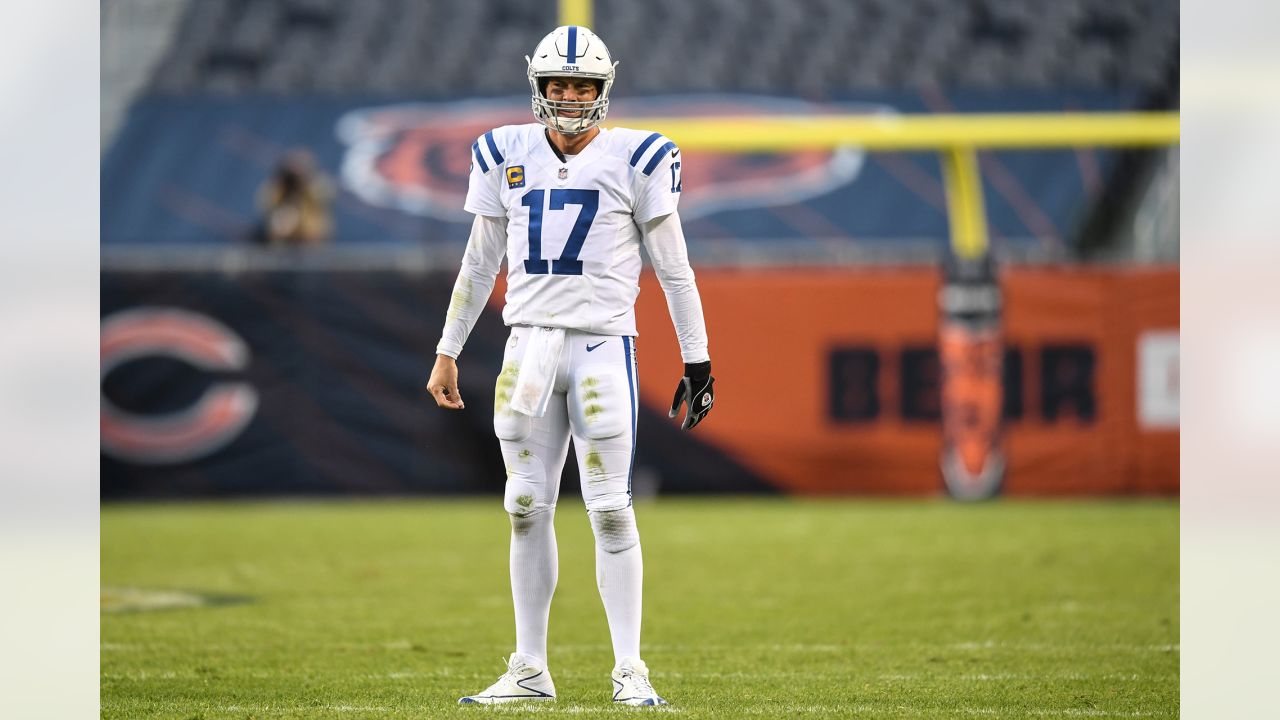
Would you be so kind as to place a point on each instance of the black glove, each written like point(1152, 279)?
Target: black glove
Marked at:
point(695, 388)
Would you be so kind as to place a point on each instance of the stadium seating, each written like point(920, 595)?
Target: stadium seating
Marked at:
point(812, 46)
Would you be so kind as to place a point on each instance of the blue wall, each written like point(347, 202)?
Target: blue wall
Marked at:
point(186, 170)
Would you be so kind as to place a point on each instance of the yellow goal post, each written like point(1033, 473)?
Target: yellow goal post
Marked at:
point(956, 137)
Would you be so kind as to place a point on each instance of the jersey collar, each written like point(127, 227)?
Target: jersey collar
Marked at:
point(590, 148)
point(546, 135)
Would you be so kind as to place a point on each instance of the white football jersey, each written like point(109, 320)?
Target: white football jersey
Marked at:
point(573, 243)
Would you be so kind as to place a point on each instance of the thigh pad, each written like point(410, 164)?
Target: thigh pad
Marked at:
point(507, 423)
point(602, 401)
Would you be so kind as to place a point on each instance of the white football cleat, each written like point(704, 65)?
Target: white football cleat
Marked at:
point(631, 684)
point(525, 679)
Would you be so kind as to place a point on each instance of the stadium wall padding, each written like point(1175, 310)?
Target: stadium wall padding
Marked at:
point(336, 365)
point(827, 383)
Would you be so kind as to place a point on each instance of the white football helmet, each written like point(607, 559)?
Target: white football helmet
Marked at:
point(570, 51)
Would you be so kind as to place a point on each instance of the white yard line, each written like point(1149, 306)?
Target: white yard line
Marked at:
point(296, 708)
point(862, 647)
point(847, 710)
point(527, 708)
point(770, 709)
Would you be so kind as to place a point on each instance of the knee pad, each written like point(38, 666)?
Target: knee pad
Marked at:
point(524, 524)
point(526, 492)
point(615, 530)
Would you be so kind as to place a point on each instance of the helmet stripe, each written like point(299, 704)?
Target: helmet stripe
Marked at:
point(475, 150)
point(657, 157)
point(493, 147)
point(573, 44)
point(643, 146)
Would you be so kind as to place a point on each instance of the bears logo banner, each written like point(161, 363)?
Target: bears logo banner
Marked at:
point(205, 426)
point(415, 157)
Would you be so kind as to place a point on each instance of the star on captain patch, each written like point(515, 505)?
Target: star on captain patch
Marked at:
point(563, 174)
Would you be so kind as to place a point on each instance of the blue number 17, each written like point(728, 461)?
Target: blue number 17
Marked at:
point(567, 263)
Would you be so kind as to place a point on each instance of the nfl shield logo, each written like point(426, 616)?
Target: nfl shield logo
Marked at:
point(564, 173)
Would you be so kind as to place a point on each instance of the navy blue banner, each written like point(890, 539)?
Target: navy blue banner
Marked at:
point(187, 170)
point(270, 383)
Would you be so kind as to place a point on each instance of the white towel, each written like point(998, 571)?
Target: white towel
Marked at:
point(537, 374)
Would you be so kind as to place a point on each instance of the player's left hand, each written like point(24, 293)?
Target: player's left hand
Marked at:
point(696, 389)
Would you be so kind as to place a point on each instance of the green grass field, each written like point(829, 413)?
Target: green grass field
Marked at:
point(753, 608)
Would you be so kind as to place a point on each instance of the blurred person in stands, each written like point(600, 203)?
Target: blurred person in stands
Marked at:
point(294, 202)
point(570, 204)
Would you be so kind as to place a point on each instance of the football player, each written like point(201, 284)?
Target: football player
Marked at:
point(569, 203)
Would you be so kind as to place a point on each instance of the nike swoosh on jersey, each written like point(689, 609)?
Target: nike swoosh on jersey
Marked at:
point(593, 347)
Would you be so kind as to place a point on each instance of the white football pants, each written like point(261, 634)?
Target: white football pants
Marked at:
point(594, 400)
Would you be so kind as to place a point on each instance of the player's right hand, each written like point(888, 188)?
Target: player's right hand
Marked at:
point(443, 385)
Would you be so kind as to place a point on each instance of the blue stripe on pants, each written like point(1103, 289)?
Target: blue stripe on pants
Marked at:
point(631, 385)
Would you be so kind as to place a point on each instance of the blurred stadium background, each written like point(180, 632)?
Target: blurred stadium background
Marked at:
point(235, 364)
point(281, 192)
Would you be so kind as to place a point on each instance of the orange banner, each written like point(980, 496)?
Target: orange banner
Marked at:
point(827, 380)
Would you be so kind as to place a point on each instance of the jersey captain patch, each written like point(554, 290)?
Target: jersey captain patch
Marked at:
point(515, 177)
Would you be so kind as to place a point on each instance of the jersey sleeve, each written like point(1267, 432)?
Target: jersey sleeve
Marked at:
point(483, 196)
point(664, 239)
point(480, 265)
point(657, 164)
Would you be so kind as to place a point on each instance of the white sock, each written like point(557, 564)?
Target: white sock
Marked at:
point(534, 569)
point(620, 577)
